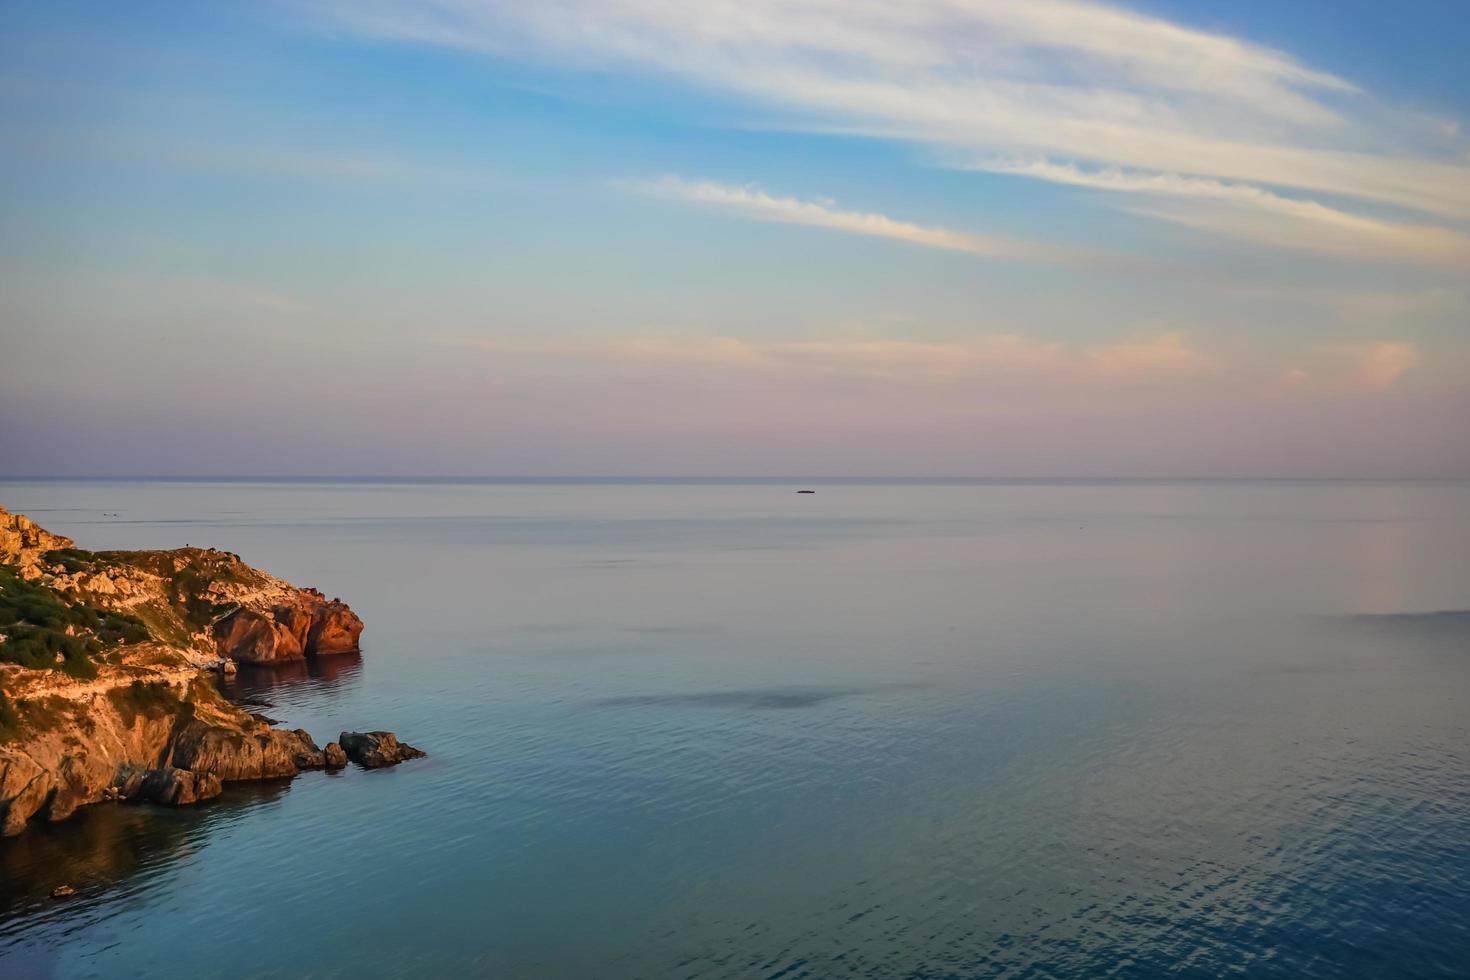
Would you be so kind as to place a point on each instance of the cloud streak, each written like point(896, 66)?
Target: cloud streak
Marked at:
point(754, 203)
point(1163, 355)
point(1165, 360)
point(1255, 214)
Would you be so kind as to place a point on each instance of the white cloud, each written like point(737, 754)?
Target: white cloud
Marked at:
point(1322, 229)
point(754, 203)
point(1253, 213)
point(1071, 79)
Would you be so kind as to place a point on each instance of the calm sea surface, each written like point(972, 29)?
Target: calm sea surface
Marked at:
point(885, 730)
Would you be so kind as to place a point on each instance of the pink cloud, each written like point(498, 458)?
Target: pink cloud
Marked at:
point(1163, 355)
point(1380, 365)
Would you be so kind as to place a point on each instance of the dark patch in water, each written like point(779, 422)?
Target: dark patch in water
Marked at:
point(670, 630)
point(327, 670)
point(762, 698)
point(103, 848)
point(1442, 623)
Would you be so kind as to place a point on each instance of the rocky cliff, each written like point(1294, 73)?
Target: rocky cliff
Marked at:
point(23, 542)
point(101, 691)
point(204, 603)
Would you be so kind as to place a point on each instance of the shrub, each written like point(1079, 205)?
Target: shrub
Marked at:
point(9, 718)
point(151, 700)
point(43, 631)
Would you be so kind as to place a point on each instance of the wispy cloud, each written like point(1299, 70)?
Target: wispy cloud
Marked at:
point(1380, 365)
point(1083, 82)
point(1165, 355)
point(754, 203)
point(1416, 304)
point(1164, 360)
point(1315, 228)
point(1256, 214)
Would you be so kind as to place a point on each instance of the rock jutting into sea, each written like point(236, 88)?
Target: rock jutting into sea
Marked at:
point(102, 690)
point(374, 750)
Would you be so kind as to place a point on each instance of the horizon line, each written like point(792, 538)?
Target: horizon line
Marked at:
point(727, 478)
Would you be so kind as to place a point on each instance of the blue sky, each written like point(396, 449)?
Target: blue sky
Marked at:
point(984, 237)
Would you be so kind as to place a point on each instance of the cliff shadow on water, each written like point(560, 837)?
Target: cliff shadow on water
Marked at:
point(251, 685)
point(104, 848)
point(113, 850)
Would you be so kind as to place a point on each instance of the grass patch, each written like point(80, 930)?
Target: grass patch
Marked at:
point(43, 631)
point(190, 585)
point(9, 719)
point(72, 559)
point(151, 700)
point(46, 714)
point(184, 605)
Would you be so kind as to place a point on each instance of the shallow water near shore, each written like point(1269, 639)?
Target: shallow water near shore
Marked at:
point(720, 729)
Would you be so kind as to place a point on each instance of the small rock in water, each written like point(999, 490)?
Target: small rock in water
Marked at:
point(374, 750)
point(333, 756)
point(806, 491)
point(63, 891)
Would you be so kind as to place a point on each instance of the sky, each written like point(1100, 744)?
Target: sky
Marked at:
point(994, 238)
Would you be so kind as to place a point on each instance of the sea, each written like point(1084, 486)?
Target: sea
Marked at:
point(720, 728)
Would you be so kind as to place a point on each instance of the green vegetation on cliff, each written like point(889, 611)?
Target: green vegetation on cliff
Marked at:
point(42, 629)
point(133, 624)
point(9, 718)
point(183, 603)
point(151, 700)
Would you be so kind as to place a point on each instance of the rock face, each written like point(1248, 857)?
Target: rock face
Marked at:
point(257, 752)
point(172, 787)
point(23, 543)
point(375, 750)
point(308, 625)
point(145, 742)
point(203, 603)
point(160, 744)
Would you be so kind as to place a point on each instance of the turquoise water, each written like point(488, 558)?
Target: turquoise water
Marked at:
point(885, 730)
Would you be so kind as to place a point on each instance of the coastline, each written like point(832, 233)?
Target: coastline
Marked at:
point(105, 689)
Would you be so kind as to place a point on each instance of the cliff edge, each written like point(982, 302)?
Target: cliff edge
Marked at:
point(205, 604)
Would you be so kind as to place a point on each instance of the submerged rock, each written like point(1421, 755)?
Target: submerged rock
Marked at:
point(375, 750)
